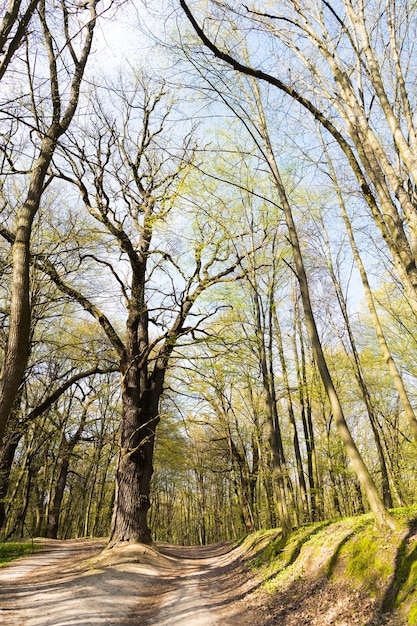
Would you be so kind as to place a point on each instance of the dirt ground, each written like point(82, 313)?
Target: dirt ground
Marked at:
point(73, 583)
point(76, 583)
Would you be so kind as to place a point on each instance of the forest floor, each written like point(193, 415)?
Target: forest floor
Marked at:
point(72, 583)
point(76, 583)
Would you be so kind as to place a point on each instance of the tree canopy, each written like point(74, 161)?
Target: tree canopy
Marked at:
point(209, 288)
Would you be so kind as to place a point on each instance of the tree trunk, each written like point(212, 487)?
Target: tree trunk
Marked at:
point(306, 418)
point(269, 494)
point(18, 339)
point(53, 517)
point(291, 415)
point(6, 461)
point(17, 349)
point(245, 482)
point(360, 377)
point(98, 526)
point(382, 517)
point(386, 352)
point(135, 462)
point(272, 418)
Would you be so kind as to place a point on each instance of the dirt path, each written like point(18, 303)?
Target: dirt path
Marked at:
point(71, 583)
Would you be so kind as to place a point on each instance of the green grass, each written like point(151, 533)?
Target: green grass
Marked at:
point(369, 559)
point(402, 592)
point(351, 552)
point(14, 550)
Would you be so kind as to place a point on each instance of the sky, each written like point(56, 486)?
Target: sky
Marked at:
point(124, 37)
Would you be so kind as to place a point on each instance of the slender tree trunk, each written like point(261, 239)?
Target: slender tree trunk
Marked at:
point(269, 494)
point(53, 518)
point(359, 375)
point(66, 451)
point(382, 517)
point(275, 441)
point(93, 474)
point(391, 364)
point(306, 417)
point(269, 398)
point(244, 482)
point(28, 474)
point(6, 461)
point(291, 415)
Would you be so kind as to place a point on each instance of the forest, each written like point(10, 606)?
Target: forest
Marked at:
point(208, 294)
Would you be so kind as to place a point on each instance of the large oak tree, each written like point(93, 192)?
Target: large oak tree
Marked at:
point(131, 177)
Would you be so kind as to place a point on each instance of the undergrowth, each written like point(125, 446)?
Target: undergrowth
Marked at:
point(14, 550)
point(350, 552)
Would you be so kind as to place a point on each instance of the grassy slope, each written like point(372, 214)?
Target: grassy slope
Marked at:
point(349, 555)
point(11, 550)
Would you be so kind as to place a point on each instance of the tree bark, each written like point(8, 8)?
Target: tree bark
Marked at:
point(135, 462)
point(53, 517)
point(6, 461)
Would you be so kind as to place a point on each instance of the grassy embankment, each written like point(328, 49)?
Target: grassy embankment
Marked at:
point(347, 556)
point(11, 550)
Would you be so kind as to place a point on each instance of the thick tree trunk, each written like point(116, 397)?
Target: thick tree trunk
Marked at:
point(18, 340)
point(135, 462)
point(17, 349)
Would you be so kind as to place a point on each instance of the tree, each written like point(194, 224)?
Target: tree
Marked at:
point(64, 353)
point(130, 179)
point(264, 331)
point(361, 100)
point(19, 423)
point(305, 403)
point(13, 29)
point(386, 352)
point(70, 56)
point(381, 514)
point(66, 449)
point(233, 429)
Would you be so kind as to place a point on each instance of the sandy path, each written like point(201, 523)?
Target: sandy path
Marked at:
point(71, 584)
point(207, 587)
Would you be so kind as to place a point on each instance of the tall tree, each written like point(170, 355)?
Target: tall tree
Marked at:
point(333, 62)
point(130, 178)
point(13, 29)
point(386, 352)
point(383, 518)
point(67, 45)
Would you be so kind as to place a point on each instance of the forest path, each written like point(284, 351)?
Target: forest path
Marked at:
point(74, 583)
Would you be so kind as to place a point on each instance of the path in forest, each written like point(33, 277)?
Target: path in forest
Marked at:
point(72, 583)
